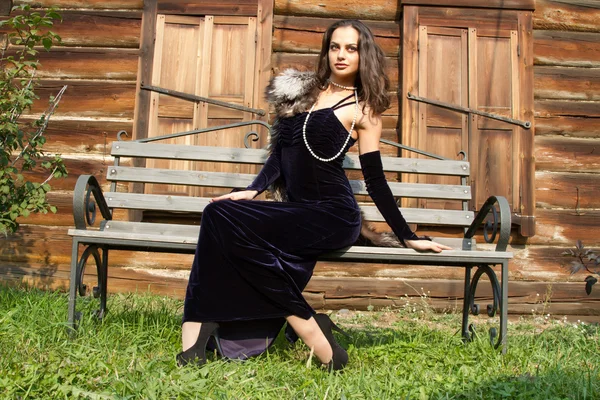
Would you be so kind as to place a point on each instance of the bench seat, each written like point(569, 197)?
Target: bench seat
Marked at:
point(167, 237)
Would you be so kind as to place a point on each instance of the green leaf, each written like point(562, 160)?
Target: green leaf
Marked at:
point(54, 15)
point(47, 42)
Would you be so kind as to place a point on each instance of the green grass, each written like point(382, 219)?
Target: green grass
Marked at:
point(396, 354)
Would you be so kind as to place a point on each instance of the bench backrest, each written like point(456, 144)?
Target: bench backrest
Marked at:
point(138, 201)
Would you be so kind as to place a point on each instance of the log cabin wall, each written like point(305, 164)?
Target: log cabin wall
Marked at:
point(566, 56)
point(99, 62)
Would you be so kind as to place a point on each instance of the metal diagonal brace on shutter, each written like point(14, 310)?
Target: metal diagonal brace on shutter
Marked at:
point(524, 124)
point(193, 97)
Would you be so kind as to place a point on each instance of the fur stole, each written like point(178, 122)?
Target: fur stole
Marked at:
point(293, 92)
point(290, 93)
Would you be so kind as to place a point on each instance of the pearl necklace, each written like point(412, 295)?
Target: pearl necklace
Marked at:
point(349, 132)
point(341, 86)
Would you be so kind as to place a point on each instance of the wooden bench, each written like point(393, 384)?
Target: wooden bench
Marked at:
point(180, 238)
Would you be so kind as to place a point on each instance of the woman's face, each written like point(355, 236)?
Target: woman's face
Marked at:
point(343, 53)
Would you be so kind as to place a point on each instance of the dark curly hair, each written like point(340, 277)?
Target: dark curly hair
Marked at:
point(372, 82)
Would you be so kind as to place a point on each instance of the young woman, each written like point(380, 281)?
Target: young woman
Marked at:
point(254, 258)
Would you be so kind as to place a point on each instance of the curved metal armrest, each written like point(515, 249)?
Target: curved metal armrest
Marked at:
point(505, 221)
point(84, 207)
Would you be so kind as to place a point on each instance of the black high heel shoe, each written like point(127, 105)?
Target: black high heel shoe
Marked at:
point(339, 358)
point(197, 353)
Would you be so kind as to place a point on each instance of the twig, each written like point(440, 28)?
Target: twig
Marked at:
point(49, 112)
point(13, 117)
point(50, 176)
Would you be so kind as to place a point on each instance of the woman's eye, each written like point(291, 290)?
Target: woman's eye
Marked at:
point(352, 48)
point(333, 47)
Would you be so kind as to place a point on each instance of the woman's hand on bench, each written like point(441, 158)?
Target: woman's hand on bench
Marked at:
point(426, 245)
point(240, 195)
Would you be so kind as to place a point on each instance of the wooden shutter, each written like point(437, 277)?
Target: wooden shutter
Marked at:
point(209, 56)
point(477, 59)
point(211, 49)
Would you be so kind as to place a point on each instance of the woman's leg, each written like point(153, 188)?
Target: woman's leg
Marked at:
point(308, 330)
point(189, 334)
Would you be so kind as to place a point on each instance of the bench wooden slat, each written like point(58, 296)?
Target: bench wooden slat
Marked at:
point(419, 190)
point(238, 180)
point(133, 236)
point(189, 153)
point(188, 234)
point(402, 255)
point(415, 165)
point(396, 250)
point(424, 216)
point(139, 201)
point(197, 204)
point(178, 177)
point(258, 156)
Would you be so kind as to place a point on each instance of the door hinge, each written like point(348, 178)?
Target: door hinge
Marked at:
point(518, 50)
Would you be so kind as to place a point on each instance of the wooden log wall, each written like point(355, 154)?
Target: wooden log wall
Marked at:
point(566, 45)
point(98, 60)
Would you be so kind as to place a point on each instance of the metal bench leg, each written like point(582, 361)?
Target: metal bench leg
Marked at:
point(78, 287)
point(100, 290)
point(73, 284)
point(466, 306)
point(504, 306)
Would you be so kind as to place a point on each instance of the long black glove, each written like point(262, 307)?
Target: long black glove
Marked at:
point(380, 192)
point(269, 172)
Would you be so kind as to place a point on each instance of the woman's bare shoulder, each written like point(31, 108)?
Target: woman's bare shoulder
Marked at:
point(368, 118)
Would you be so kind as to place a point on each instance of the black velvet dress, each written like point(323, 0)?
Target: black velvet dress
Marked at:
point(254, 258)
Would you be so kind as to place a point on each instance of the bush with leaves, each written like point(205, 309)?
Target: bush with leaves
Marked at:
point(585, 260)
point(20, 143)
